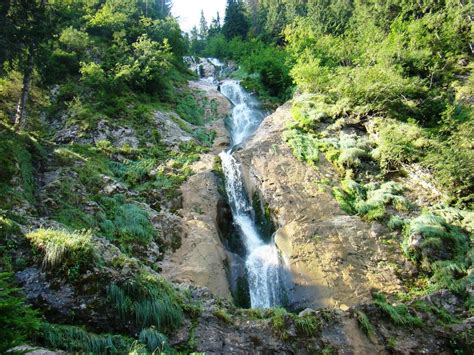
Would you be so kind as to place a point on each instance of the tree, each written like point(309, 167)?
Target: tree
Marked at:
point(215, 28)
point(31, 22)
point(203, 29)
point(235, 21)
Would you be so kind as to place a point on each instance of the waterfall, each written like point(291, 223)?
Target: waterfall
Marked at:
point(262, 261)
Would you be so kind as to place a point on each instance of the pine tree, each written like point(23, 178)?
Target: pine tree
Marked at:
point(203, 29)
point(235, 22)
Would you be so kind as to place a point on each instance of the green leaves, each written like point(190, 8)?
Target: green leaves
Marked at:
point(18, 320)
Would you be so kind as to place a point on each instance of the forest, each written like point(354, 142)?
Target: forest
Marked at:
point(381, 91)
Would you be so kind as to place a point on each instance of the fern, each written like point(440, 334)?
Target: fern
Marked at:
point(399, 314)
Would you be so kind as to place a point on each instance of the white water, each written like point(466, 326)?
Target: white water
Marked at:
point(262, 260)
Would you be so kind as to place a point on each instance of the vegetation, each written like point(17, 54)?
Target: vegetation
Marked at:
point(399, 314)
point(148, 302)
point(63, 250)
point(76, 339)
point(19, 321)
point(380, 90)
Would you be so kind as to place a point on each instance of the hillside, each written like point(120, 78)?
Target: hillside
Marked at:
point(297, 179)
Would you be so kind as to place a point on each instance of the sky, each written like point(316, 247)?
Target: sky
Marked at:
point(189, 11)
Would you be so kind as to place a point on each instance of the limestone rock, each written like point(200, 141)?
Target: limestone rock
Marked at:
point(335, 259)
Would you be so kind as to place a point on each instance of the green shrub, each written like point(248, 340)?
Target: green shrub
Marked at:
point(303, 146)
point(19, 321)
point(368, 201)
point(399, 143)
point(278, 321)
point(77, 340)
point(308, 325)
point(223, 315)
point(428, 237)
point(62, 249)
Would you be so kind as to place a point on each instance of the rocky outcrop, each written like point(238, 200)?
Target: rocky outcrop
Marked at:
point(336, 260)
point(201, 259)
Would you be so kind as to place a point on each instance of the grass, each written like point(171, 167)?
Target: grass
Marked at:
point(365, 324)
point(307, 325)
point(399, 314)
point(148, 302)
point(223, 316)
point(438, 240)
point(155, 341)
point(62, 249)
point(77, 340)
point(369, 201)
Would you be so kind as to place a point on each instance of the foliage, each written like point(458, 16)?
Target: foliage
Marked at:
point(76, 339)
point(147, 301)
point(365, 323)
point(308, 325)
point(370, 200)
point(435, 239)
point(303, 146)
point(63, 250)
point(399, 314)
point(154, 340)
point(223, 315)
point(19, 321)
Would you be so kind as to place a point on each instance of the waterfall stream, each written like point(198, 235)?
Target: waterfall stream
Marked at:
point(262, 260)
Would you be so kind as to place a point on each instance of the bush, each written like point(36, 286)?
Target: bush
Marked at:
point(369, 201)
point(19, 321)
point(63, 250)
point(429, 238)
point(303, 146)
point(154, 340)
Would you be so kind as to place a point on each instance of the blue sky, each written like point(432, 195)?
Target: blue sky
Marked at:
point(189, 11)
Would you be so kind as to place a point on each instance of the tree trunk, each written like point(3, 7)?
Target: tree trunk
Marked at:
point(20, 115)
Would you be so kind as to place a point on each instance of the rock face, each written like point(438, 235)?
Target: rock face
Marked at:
point(336, 260)
point(201, 258)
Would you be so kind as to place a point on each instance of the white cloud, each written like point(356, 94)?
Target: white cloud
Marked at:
point(189, 11)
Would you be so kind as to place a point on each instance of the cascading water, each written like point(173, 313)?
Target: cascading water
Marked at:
point(262, 260)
